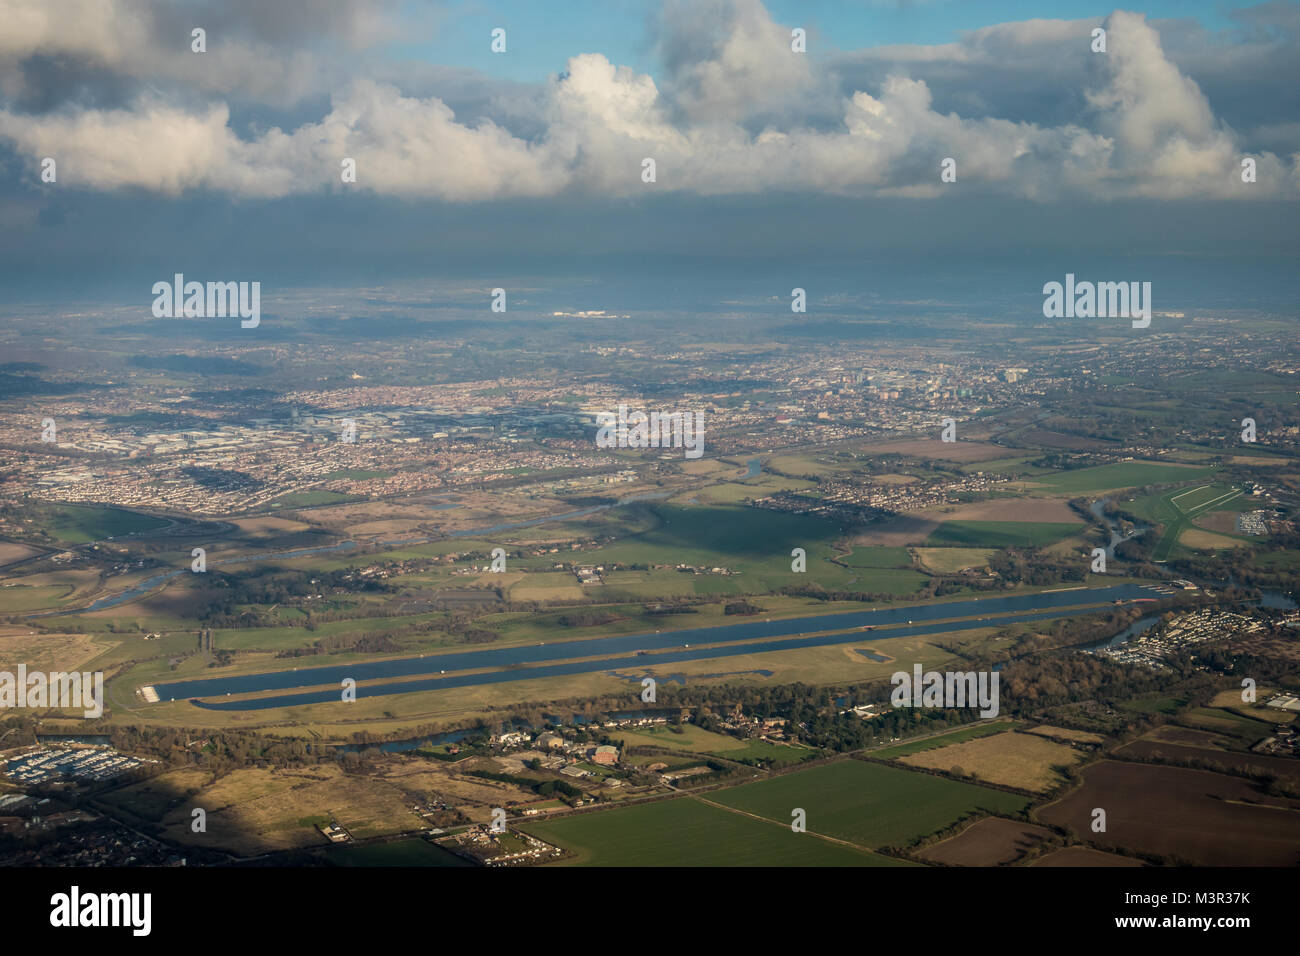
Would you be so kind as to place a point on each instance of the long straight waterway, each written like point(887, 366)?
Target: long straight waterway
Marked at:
point(744, 638)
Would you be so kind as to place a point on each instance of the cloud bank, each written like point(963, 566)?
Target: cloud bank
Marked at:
point(736, 112)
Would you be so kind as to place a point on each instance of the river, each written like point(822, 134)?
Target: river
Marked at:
point(1098, 510)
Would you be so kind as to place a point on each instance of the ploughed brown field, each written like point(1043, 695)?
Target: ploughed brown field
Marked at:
point(1009, 509)
point(935, 448)
point(1084, 856)
point(11, 552)
point(1189, 737)
point(1224, 522)
point(1282, 767)
point(1040, 436)
point(1194, 815)
point(992, 841)
point(894, 531)
point(916, 527)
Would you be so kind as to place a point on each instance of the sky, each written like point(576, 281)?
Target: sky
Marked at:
point(768, 162)
point(623, 30)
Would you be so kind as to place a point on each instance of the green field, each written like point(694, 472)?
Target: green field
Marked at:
point(696, 740)
point(22, 598)
point(896, 581)
point(881, 571)
point(952, 560)
point(878, 558)
point(1245, 729)
point(685, 832)
point(1000, 534)
point(1177, 509)
point(1011, 466)
point(775, 754)
point(1198, 500)
point(279, 638)
point(304, 499)
point(1129, 474)
point(867, 803)
point(78, 524)
point(753, 541)
point(981, 729)
point(734, 492)
point(692, 739)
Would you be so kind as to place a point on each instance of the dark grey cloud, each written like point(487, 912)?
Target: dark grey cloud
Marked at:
point(49, 81)
point(101, 53)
